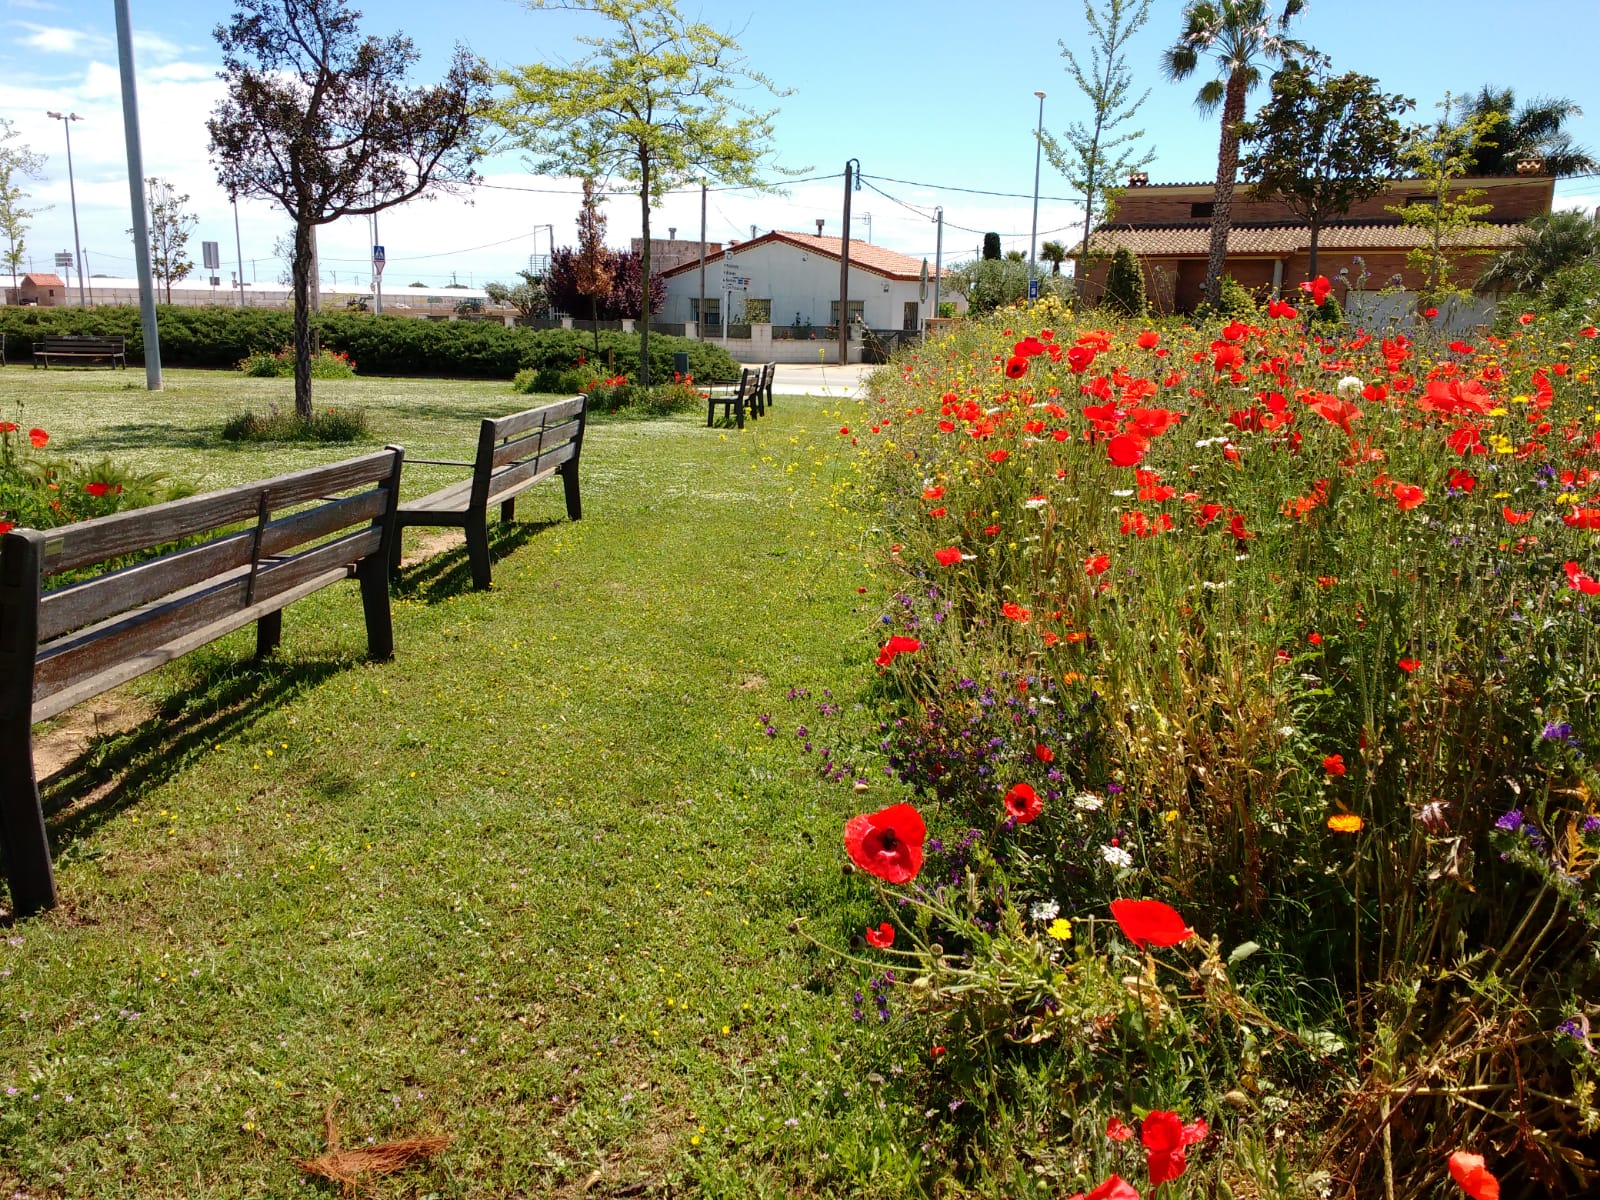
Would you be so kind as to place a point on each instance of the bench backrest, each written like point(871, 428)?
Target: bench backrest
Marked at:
point(527, 444)
point(66, 342)
point(230, 551)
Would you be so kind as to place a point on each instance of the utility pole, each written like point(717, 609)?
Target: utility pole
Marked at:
point(700, 316)
point(938, 258)
point(377, 271)
point(852, 168)
point(66, 120)
point(141, 224)
point(238, 247)
point(1038, 151)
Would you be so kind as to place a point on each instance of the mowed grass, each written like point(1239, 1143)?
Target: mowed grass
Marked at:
point(528, 886)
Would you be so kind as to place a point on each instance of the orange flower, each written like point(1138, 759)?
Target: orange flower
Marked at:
point(39, 438)
point(1345, 823)
point(1476, 1180)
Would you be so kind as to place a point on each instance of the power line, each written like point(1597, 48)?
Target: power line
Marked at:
point(942, 187)
point(764, 185)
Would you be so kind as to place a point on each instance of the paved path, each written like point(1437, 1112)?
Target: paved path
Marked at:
point(807, 379)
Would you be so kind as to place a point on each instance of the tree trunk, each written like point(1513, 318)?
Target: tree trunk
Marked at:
point(301, 276)
point(594, 313)
point(1227, 169)
point(1316, 236)
point(644, 279)
point(1081, 283)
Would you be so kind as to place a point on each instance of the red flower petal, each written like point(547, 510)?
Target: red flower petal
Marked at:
point(887, 843)
point(1150, 922)
point(882, 937)
point(1475, 1179)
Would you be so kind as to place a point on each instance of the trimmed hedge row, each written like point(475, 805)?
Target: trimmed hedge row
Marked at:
point(221, 337)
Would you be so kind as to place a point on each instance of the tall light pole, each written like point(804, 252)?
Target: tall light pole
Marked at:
point(66, 120)
point(141, 224)
point(1038, 152)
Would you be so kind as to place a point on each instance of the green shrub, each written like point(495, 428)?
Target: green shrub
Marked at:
point(1125, 284)
point(276, 425)
point(328, 364)
point(39, 490)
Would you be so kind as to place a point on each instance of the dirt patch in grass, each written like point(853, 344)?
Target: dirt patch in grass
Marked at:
point(66, 741)
point(432, 544)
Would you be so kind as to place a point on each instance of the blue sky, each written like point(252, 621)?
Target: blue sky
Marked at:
point(930, 97)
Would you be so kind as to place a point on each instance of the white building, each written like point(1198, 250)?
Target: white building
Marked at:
point(790, 283)
point(436, 302)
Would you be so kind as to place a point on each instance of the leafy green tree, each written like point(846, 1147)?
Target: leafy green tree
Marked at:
point(529, 297)
point(320, 120)
point(990, 283)
point(1239, 37)
point(17, 163)
point(991, 247)
point(1055, 254)
point(1323, 143)
point(657, 102)
point(1440, 154)
point(170, 225)
point(1545, 245)
point(1534, 130)
point(1125, 284)
point(1093, 157)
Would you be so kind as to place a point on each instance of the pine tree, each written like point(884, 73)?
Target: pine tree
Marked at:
point(1125, 284)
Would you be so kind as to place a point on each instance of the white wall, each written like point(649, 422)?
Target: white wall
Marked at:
point(797, 281)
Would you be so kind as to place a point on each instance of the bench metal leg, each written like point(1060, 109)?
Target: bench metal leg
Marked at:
point(269, 633)
point(22, 832)
point(478, 551)
point(738, 408)
point(373, 574)
point(508, 511)
point(569, 483)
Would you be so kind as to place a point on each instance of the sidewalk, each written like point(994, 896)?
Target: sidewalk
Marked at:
point(807, 379)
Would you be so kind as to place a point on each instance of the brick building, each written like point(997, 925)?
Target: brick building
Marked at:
point(1168, 228)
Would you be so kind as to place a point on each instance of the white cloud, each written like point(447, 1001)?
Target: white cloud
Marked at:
point(58, 39)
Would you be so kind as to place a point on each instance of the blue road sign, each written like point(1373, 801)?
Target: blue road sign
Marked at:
point(1033, 289)
point(377, 254)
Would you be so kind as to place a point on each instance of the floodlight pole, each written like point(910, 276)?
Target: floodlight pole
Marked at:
point(1038, 151)
point(66, 120)
point(141, 225)
point(238, 246)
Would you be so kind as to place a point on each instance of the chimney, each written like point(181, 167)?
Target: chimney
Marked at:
point(819, 226)
point(672, 233)
point(1138, 179)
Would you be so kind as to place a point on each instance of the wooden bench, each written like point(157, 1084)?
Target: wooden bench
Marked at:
point(735, 400)
point(241, 556)
point(73, 347)
point(514, 453)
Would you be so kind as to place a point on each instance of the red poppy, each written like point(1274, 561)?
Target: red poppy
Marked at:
point(1409, 665)
point(1333, 764)
point(97, 489)
point(1407, 496)
point(1150, 922)
point(933, 493)
point(1430, 313)
point(1015, 612)
point(1044, 754)
point(6, 526)
point(1164, 1146)
point(936, 513)
point(1319, 289)
point(1315, 639)
point(1114, 1188)
point(1513, 517)
point(1580, 581)
point(1462, 481)
point(1476, 1180)
point(999, 456)
point(887, 843)
point(948, 557)
point(1236, 527)
point(1023, 803)
point(1525, 319)
point(1016, 367)
point(1460, 347)
point(896, 646)
point(1583, 518)
point(1281, 310)
point(1126, 450)
point(1080, 358)
point(1097, 564)
point(991, 530)
point(1118, 1130)
point(882, 937)
point(1148, 339)
point(38, 437)
point(8, 427)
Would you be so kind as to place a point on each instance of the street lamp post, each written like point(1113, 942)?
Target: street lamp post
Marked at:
point(66, 120)
point(1038, 151)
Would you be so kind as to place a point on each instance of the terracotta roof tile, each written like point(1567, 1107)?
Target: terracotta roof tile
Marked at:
point(1178, 241)
point(43, 279)
point(865, 255)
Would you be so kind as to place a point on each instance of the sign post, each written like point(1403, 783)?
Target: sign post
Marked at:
point(379, 256)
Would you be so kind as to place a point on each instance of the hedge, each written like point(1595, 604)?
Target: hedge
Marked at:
point(378, 345)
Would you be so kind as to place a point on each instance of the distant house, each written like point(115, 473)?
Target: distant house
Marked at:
point(38, 288)
point(1168, 228)
point(791, 281)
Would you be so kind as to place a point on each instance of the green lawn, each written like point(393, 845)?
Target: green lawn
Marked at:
point(527, 886)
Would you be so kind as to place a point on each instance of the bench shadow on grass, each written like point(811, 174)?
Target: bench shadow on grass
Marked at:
point(114, 771)
point(449, 573)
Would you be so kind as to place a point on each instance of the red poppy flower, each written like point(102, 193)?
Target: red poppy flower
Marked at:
point(1315, 639)
point(991, 530)
point(38, 437)
point(1118, 1130)
point(1462, 481)
point(896, 646)
point(933, 493)
point(1150, 922)
point(1281, 310)
point(1580, 581)
point(1407, 496)
point(1097, 564)
point(1148, 339)
point(6, 526)
point(1023, 803)
point(1513, 517)
point(1164, 1146)
point(936, 513)
point(1236, 527)
point(1430, 313)
point(887, 843)
point(882, 937)
point(1319, 289)
point(1476, 1180)
point(1126, 450)
point(8, 426)
point(97, 489)
point(1333, 764)
point(948, 557)
point(1583, 518)
point(1016, 367)
point(1409, 665)
point(1114, 1188)
point(1080, 358)
point(1460, 347)
point(1015, 612)
point(999, 456)
point(1044, 754)
point(1525, 319)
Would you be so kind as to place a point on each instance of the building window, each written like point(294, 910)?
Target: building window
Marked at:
point(855, 312)
point(1197, 211)
point(713, 310)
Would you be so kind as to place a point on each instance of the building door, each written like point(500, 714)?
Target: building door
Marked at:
point(1190, 287)
point(910, 323)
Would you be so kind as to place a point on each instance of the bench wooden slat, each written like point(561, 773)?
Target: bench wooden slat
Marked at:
point(561, 410)
point(275, 577)
point(94, 600)
point(533, 443)
point(454, 498)
point(524, 474)
point(300, 528)
point(143, 664)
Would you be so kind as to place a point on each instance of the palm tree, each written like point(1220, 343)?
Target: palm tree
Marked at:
point(1055, 254)
point(1240, 36)
point(1532, 130)
point(1544, 246)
